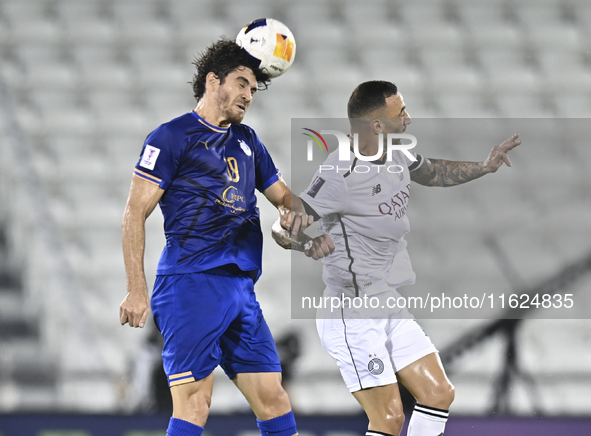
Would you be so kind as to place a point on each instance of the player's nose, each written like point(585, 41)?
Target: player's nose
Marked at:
point(407, 119)
point(247, 94)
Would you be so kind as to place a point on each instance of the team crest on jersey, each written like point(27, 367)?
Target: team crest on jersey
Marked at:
point(375, 366)
point(244, 147)
point(149, 157)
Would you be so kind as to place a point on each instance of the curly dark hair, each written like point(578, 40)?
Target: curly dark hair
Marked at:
point(368, 97)
point(221, 58)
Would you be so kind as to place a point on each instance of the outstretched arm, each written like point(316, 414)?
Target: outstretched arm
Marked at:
point(439, 172)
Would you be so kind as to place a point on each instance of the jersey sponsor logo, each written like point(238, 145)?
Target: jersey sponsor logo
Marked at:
point(396, 206)
point(375, 366)
point(376, 189)
point(230, 198)
point(149, 157)
point(230, 195)
point(245, 147)
point(315, 187)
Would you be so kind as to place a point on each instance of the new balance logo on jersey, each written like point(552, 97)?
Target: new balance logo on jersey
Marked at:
point(376, 189)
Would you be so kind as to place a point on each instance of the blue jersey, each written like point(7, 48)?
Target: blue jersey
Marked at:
point(209, 175)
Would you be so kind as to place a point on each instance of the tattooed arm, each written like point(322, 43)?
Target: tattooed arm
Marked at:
point(438, 172)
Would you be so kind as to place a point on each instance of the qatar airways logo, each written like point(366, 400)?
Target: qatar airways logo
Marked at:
point(396, 205)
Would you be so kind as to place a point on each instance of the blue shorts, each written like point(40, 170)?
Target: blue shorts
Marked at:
point(209, 320)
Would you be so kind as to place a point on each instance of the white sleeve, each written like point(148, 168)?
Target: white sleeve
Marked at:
point(326, 194)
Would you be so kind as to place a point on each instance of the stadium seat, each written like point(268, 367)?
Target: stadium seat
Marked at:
point(417, 15)
point(554, 36)
point(456, 78)
point(31, 55)
point(135, 13)
point(168, 104)
point(437, 35)
point(536, 15)
point(145, 57)
point(238, 15)
point(105, 76)
point(493, 35)
point(186, 12)
point(475, 14)
point(18, 11)
point(515, 79)
point(35, 31)
point(96, 32)
point(367, 15)
point(574, 105)
point(462, 104)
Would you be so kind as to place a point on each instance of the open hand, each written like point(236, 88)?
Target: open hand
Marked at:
point(498, 154)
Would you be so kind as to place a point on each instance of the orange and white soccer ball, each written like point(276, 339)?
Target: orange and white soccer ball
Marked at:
point(269, 42)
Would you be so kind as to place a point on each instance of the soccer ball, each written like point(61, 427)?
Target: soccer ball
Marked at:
point(271, 45)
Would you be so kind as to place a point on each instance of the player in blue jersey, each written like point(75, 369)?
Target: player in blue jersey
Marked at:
point(202, 168)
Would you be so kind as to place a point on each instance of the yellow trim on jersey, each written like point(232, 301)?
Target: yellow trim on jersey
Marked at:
point(147, 177)
point(181, 381)
point(219, 130)
point(182, 374)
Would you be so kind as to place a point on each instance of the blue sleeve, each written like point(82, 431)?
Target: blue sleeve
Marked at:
point(158, 163)
point(266, 171)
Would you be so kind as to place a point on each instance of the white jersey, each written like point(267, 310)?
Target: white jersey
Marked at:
point(362, 206)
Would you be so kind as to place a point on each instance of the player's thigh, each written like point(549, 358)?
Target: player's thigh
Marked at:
point(247, 344)
point(192, 311)
point(427, 382)
point(359, 349)
point(407, 342)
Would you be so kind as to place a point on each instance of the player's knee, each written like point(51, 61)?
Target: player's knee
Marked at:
point(192, 405)
point(390, 423)
point(275, 402)
point(198, 406)
point(441, 397)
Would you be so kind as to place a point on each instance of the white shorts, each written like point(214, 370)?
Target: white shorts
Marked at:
point(369, 352)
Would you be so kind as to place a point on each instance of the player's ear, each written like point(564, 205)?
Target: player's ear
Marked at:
point(211, 81)
point(377, 126)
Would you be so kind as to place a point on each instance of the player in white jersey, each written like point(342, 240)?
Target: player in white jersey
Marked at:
point(362, 213)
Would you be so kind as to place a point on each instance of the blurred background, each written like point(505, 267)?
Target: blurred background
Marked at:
point(82, 83)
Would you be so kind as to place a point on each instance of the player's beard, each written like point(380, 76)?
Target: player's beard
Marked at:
point(230, 110)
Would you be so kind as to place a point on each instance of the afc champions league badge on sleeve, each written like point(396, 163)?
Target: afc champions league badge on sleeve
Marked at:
point(149, 157)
